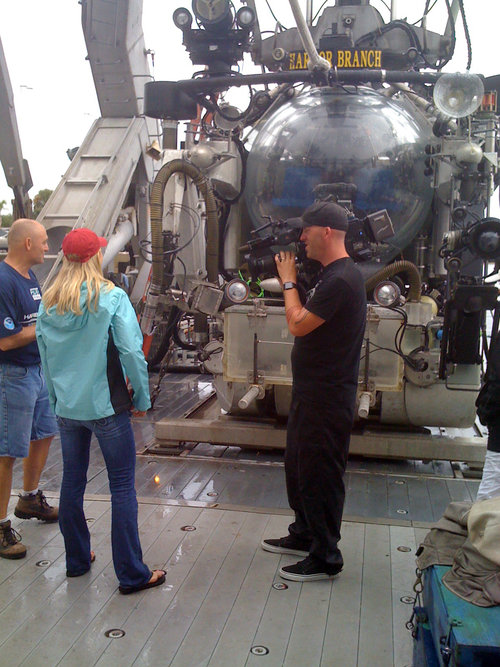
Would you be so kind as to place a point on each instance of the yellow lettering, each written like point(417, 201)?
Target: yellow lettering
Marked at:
point(378, 59)
point(298, 64)
point(364, 59)
point(370, 58)
point(340, 58)
point(329, 57)
point(306, 60)
point(355, 61)
point(348, 59)
point(292, 60)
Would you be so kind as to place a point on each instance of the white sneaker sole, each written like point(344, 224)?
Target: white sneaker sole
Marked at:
point(320, 576)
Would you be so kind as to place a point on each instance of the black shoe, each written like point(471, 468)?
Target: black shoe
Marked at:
point(286, 545)
point(309, 569)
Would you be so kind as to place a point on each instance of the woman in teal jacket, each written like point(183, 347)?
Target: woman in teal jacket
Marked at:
point(89, 340)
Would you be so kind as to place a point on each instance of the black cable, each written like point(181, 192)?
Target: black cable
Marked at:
point(178, 259)
point(467, 34)
point(385, 5)
point(274, 16)
point(165, 253)
point(453, 36)
point(156, 358)
point(407, 28)
point(320, 8)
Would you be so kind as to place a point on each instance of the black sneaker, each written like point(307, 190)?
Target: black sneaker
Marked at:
point(309, 569)
point(286, 545)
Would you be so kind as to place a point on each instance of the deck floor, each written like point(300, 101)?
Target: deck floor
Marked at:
point(219, 605)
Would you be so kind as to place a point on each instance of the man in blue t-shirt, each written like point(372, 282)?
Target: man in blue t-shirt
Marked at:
point(27, 423)
point(328, 330)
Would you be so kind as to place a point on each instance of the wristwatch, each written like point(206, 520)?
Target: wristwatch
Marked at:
point(289, 285)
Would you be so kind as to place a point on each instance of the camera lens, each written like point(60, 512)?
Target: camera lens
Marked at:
point(261, 265)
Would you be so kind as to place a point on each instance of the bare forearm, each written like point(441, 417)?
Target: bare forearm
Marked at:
point(293, 306)
point(24, 337)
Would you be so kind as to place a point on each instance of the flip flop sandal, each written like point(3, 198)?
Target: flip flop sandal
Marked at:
point(127, 590)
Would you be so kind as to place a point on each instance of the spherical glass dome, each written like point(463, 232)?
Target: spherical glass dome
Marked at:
point(353, 135)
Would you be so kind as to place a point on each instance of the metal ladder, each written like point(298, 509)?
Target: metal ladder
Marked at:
point(92, 191)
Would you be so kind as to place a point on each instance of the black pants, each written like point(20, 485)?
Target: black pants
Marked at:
point(315, 461)
point(494, 437)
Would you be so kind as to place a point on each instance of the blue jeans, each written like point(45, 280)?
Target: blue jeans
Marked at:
point(116, 440)
point(25, 412)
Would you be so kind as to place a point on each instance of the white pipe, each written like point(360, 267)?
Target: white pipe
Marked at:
point(364, 405)
point(249, 397)
point(315, 60)
point(121, 235)
point(309, 12)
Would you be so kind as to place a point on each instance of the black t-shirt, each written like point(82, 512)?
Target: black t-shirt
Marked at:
point(325, 362)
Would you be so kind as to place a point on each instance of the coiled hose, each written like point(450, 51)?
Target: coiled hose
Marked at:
point(212, 250)
point(402, 266)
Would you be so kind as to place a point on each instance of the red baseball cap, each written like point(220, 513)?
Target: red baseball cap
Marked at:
point(81, 244)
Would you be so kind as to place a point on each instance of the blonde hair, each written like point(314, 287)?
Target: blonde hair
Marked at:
point(64, 293)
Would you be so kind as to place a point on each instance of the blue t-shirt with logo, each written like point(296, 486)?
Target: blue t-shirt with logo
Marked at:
point(20, 299)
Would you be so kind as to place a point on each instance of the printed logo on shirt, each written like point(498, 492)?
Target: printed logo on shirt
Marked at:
point(30, 318)
point(310, 293)
point(35, 294)
point(9, 323)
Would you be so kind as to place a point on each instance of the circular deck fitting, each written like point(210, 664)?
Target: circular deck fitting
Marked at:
point(402, 511)
point(259, 650)
point(400, 481)
point(279, 586)
point(43, 563)
point(405, 549)
point(89, 520)
point(115, 633)
point(188, 529)
point(407, 599)
point(212, 494)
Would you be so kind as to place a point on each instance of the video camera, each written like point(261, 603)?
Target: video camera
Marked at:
point(260, 257)
point(362, 233)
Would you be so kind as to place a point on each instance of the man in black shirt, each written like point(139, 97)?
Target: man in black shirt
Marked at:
point(328, 332)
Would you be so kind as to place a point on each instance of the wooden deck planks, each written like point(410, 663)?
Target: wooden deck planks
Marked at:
point(202, 637)
point(238, 635)
point(340, 645)
point(375, 636)
point(218, 601)
point(402, 580)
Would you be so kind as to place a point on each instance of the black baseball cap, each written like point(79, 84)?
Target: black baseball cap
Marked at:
point(322, 214)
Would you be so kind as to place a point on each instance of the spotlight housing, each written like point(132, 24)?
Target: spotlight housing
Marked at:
point(237, 291)
point(458, 95)
point(182, 18)
point(485, 239)
point(245, 18)
point(213, 15)
point(387, 294)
